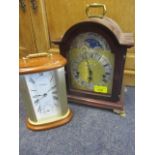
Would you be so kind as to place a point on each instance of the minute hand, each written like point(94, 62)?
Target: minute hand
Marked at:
point(43, 96)
point(35, 96)
point(89, 69)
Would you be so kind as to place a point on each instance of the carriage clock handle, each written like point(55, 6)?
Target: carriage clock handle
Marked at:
point(35, 55)
point(95, 5)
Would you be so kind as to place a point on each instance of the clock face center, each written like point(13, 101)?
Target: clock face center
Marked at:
point(45, 94)
point(90, 72)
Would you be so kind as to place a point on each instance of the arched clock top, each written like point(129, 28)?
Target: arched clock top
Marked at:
point(123, 38)
point(105, 23)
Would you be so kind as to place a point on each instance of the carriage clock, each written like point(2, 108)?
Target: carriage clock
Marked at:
point(96, 50)
point(43, 88)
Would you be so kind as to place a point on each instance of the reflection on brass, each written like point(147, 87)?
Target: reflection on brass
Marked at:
point(35, 55)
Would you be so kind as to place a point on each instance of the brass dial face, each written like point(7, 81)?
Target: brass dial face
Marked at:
point(91, 63)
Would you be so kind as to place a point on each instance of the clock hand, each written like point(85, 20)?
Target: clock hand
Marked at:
point(51, 88)
point(37, 100)
point(89, 68)
point(44, 95)
point(35, 96)
point(33, 90)
point(90, 75)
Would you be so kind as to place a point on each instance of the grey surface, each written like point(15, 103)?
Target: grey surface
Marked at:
point(92, 131)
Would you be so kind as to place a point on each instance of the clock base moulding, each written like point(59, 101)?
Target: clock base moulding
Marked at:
point(45, 126)
point(115, 106)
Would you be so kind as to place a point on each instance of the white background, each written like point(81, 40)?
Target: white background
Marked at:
point(145, 77)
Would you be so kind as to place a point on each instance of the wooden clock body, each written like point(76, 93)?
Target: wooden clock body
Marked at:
point(118, 42)
point(41, 63)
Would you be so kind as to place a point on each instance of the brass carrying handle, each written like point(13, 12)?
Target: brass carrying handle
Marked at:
point(35, 55)
point(95, 5)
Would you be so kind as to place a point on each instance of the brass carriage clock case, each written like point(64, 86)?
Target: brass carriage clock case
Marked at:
point(96, 50)
point(43, 88)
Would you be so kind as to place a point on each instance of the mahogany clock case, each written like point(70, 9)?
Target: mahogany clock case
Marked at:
point(118, 41)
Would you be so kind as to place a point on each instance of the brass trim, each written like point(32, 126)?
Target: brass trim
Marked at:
point(43, 54)
point(95, 5)
point(50, 119)
point(35, 55)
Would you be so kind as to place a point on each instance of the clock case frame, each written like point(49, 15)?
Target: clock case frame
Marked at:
point(118, 41)
point(36, 63)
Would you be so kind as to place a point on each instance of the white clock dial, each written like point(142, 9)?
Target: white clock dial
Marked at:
point(44, 95)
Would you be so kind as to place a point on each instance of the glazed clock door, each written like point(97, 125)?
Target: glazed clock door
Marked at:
point(91, 64)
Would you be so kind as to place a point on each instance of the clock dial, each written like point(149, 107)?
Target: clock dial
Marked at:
point(43, 92)
point(91, 63)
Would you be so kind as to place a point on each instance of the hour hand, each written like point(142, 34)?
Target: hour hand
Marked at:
point(90, 75)
point(37, 100)
point(35, 96)
point(51, 88)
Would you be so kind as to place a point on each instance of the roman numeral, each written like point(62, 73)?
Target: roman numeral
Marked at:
point(32, 81)
point(36, 101)
point(54, 92)
point(41, 74)
point(76, 74)
point(55, 97)
point(53, 86)
point(99, 58)
point(103, 76)
point(106, 65)
point(107, 73)
point(39, 109)
point(104, 80)
point(51, 78)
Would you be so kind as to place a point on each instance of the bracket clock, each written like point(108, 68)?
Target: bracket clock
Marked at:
point(43, 88)
point(96, 50)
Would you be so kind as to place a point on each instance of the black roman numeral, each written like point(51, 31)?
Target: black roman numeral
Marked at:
point(107, 73)
point(55, 97)
point(32, 81)
point(106, 65)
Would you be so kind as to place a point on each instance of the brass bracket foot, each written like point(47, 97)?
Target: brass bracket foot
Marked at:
point(120, 112)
